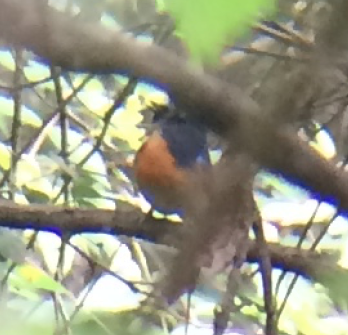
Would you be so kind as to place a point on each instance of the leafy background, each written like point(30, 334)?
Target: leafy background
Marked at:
point(68, 138)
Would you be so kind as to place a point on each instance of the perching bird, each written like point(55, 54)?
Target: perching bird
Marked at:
point(167, 168)
point(164, 162)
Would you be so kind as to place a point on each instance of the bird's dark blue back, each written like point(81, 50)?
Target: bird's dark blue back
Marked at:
point(187, 141)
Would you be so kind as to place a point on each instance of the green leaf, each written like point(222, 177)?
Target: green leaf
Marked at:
point(7, 60)
point(12, 245)
point(28, 117)
point(84, 187)
point(36, 71)
point(335, 281)
point(160, 5)
point(36, 195)
point(5, 157)
point(323, 142)
point(206, 26)
point(90, 189)
point(28, 277)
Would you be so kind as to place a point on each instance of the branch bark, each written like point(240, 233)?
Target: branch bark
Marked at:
point(134, 223)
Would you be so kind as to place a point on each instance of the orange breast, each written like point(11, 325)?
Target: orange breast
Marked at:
point(155, 165)
point(157, 173)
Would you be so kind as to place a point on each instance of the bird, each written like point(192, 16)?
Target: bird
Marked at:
point(168, 165)
point(164, 162)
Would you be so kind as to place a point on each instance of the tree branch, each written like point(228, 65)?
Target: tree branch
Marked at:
point(134, 223)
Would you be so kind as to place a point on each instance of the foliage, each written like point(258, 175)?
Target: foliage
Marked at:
point(207, 26)
point(74, 139)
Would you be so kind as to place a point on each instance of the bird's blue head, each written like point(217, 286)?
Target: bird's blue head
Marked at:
point(186, 137)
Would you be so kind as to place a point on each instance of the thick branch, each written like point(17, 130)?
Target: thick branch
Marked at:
point(134, 223)
point(74, 221)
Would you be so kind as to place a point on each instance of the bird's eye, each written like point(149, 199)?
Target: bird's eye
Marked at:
point(163, 112)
